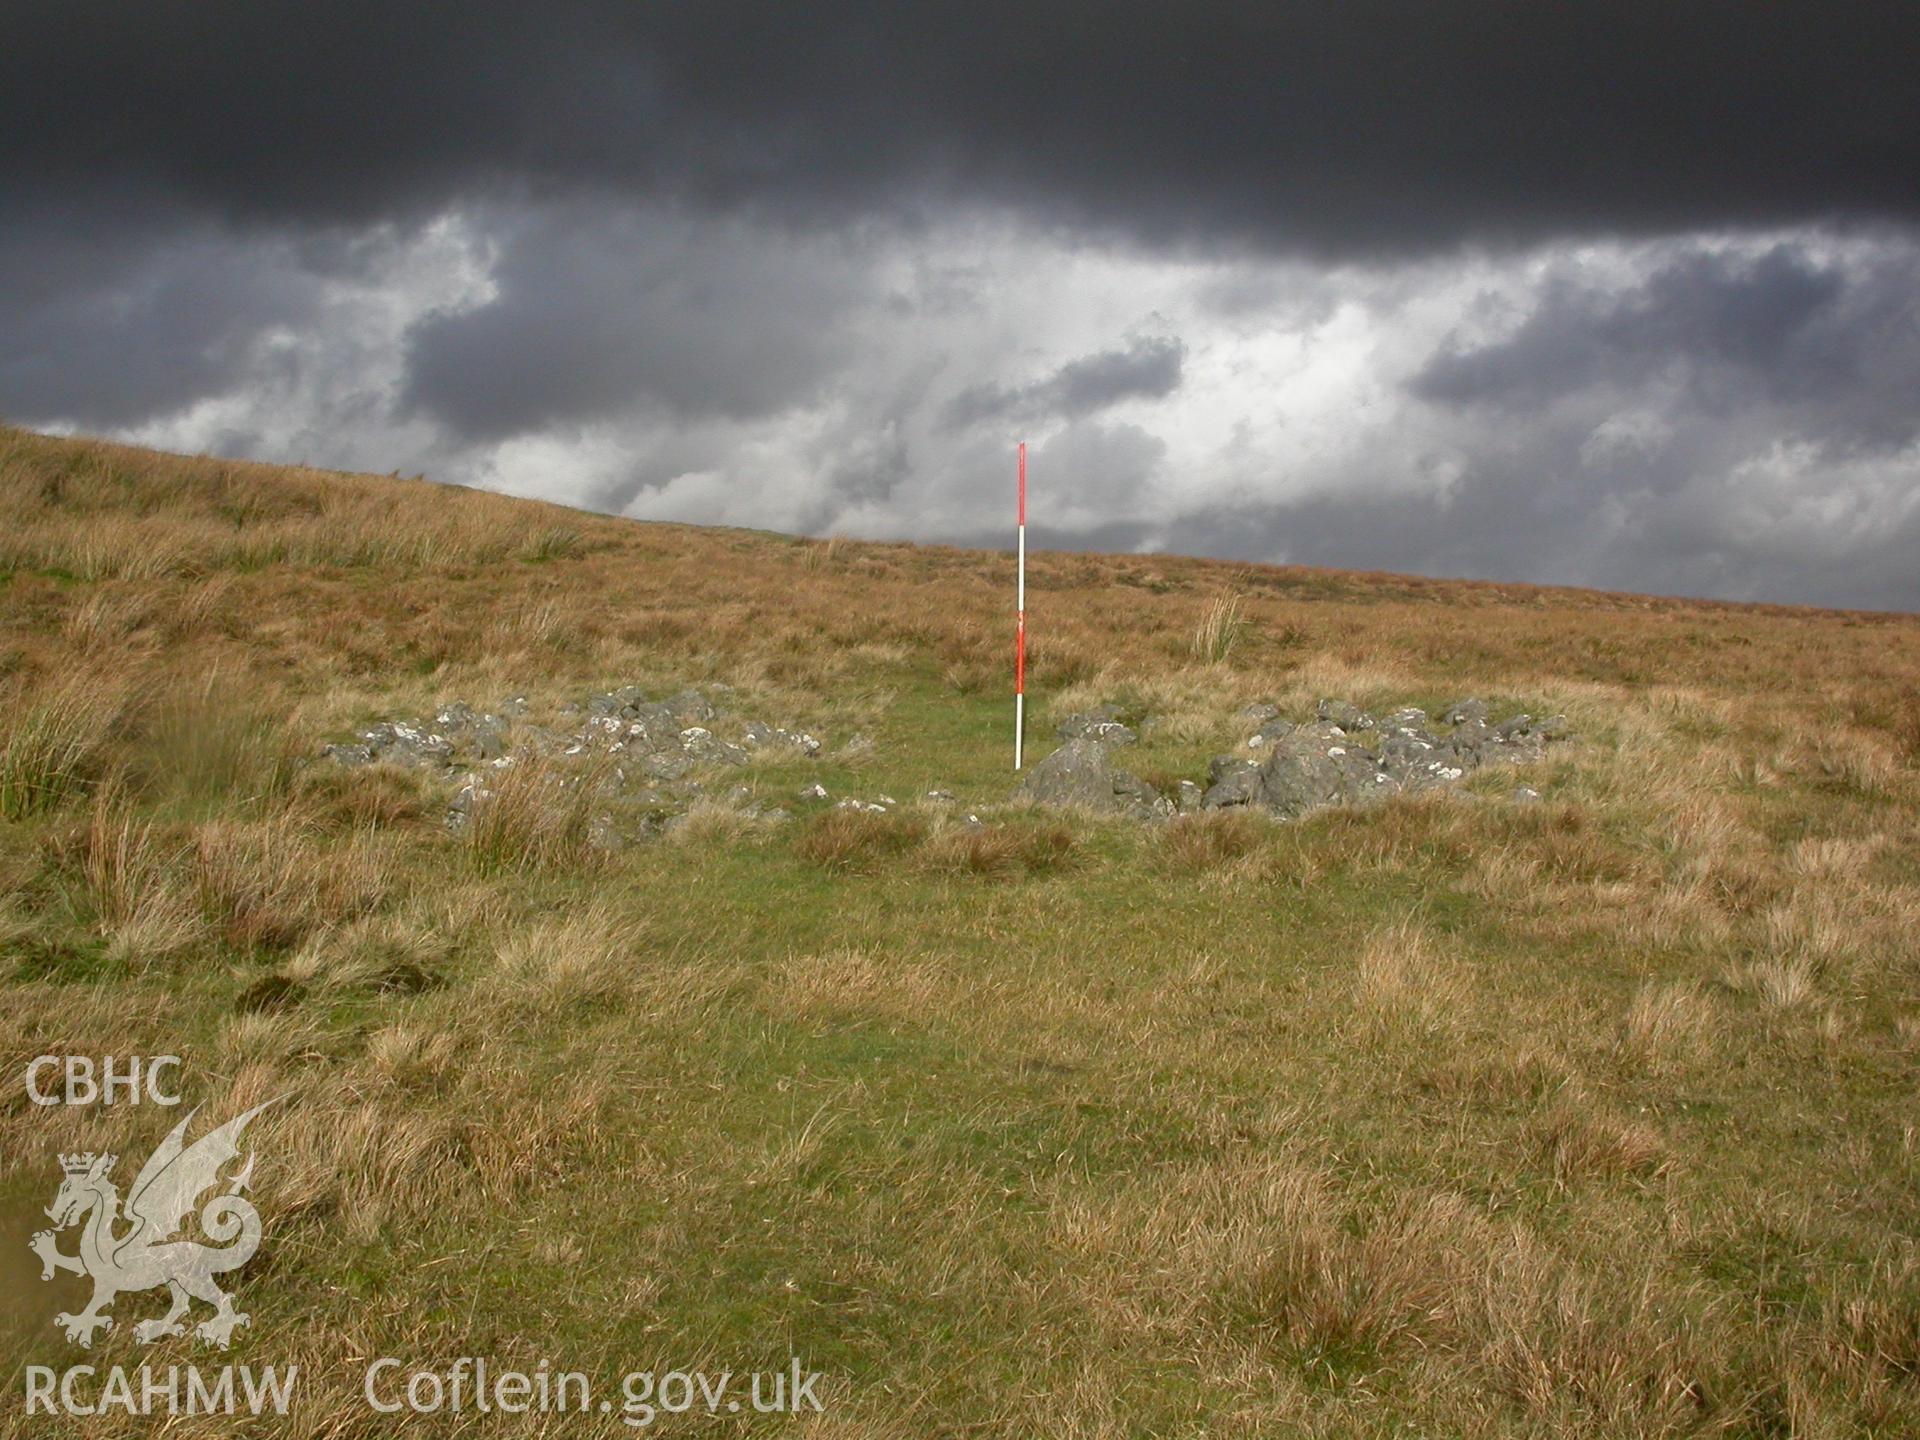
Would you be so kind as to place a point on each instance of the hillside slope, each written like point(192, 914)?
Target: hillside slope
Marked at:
point(1458, 1114)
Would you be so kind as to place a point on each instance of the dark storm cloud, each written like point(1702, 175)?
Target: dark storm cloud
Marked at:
point(600, 310)
point(107, 325)
point(1148, 367)
point(1363, 126)
point(1822, 350)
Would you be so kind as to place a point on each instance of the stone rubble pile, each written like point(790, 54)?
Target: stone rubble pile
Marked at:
point(1343, 756)
point(648, 753)
point(651, 748)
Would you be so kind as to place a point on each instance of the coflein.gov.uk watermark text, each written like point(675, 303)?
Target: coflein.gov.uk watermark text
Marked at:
point(470, 1386)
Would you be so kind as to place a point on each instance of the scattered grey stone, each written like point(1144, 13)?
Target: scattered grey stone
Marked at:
point(1231, 782)
point(1346, 716)
point(1463, 712)
point(1260, 712)
point(1525, 795)
point(757, 737)
point(1346, 758)
point(1469, 736)
point(538, 739)
point(407, 744)
point(1273, 730)
point(652, 741)
point(689, 707)
point(939, 794)
point(1188, 798)
point(1102, 724)
point(814, 792)
point(1419, 760)
point(460, 808)
point(856, 746)
point(666, 767)
point(706, 747)
point(602, 834)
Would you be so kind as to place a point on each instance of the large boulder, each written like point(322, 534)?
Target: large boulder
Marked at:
point(1081, 774)
point(1318, 765)
point(1078, 773)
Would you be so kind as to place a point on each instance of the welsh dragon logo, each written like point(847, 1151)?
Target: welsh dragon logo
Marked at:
point(150, 1253)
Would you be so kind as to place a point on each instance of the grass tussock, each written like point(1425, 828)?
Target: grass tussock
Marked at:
point(1207, 841)
point(532, 815)
point(208, 743)
point(1580, 1143)
point(1219, 630)
point(591, 955)
point(267, 884)
point(1338, 1294)
point(1670, 1026)
point(366, 797)
point(54, 739)
point(133, 884)
point(716, 822)
point(859, 841)
point(1001, 851)
point(1778, 982)
point(1404, 980)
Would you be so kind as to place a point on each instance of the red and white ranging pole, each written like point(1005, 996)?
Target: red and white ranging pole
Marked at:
point(1020, 622)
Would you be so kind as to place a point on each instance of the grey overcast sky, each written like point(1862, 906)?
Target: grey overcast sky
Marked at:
point(1622, 294)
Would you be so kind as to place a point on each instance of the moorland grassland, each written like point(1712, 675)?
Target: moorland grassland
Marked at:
point(1455, 1116)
